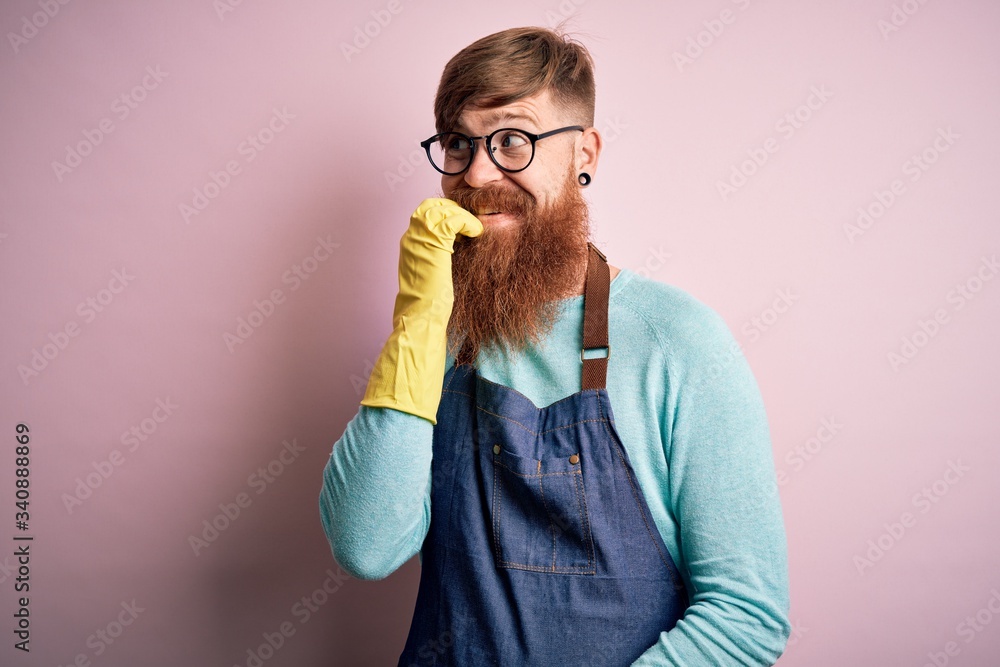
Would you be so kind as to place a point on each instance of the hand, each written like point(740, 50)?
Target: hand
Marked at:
point(410, 370)
point(437, 222)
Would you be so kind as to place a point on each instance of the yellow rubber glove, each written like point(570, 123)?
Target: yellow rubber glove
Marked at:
point(409, 372)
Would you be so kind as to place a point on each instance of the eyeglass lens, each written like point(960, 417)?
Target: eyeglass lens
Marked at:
point(452, 152)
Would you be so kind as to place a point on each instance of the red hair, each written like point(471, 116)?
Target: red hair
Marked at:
point(516, 63)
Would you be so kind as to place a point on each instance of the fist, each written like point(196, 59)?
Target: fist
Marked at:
point(437, 221)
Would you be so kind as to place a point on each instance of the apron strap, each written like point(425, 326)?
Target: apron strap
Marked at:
point(595, 319)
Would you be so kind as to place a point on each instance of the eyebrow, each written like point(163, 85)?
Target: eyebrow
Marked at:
point(498, 115)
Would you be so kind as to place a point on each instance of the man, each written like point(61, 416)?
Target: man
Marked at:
point(553, 529)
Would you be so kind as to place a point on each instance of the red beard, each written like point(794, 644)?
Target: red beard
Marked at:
point(508, 280)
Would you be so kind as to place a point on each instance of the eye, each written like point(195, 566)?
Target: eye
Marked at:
point(513, 140)
point(456, 143)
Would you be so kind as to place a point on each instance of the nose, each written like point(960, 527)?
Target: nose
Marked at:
point(482, 170)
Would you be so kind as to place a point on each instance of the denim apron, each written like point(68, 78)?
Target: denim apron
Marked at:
point(541, 548)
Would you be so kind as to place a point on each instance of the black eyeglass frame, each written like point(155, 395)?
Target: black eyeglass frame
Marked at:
point(533, 138)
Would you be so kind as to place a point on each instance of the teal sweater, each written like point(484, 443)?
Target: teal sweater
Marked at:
point(692, 419)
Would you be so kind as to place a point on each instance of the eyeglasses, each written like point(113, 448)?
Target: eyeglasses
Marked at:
point(510, 149)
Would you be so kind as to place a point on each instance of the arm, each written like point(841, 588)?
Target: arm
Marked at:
point(375, 500)
point(723, 490)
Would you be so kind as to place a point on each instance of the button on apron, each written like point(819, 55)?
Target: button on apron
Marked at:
point(541, 548)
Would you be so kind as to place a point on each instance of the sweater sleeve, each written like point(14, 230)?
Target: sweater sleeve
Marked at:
point(722, 486)
point(374, 503)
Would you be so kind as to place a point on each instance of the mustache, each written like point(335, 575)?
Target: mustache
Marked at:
point(507, 200)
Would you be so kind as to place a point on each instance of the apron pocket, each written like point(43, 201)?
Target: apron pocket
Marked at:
point(540, 519)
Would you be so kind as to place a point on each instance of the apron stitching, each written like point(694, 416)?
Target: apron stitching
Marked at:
point(557, 428)
point(534, 405)
point(639, 506)
point(565, 569)
point(455, 391)
point(497, 506)
point(508, 419)
point(582, 421)
point(451, 378)
point(584, 521)
point(515, 391)
point(585, 517)
point(537, 474)
point(541, 490)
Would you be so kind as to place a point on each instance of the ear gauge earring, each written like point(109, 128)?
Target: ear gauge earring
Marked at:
point(584, 179)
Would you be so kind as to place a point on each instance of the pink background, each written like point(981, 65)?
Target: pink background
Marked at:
point(673, 132)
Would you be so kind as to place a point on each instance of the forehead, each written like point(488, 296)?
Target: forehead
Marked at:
point(527, 113)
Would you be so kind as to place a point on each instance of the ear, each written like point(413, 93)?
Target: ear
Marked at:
point(588, 150)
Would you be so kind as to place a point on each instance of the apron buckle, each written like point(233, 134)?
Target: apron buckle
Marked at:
point(603, 347)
